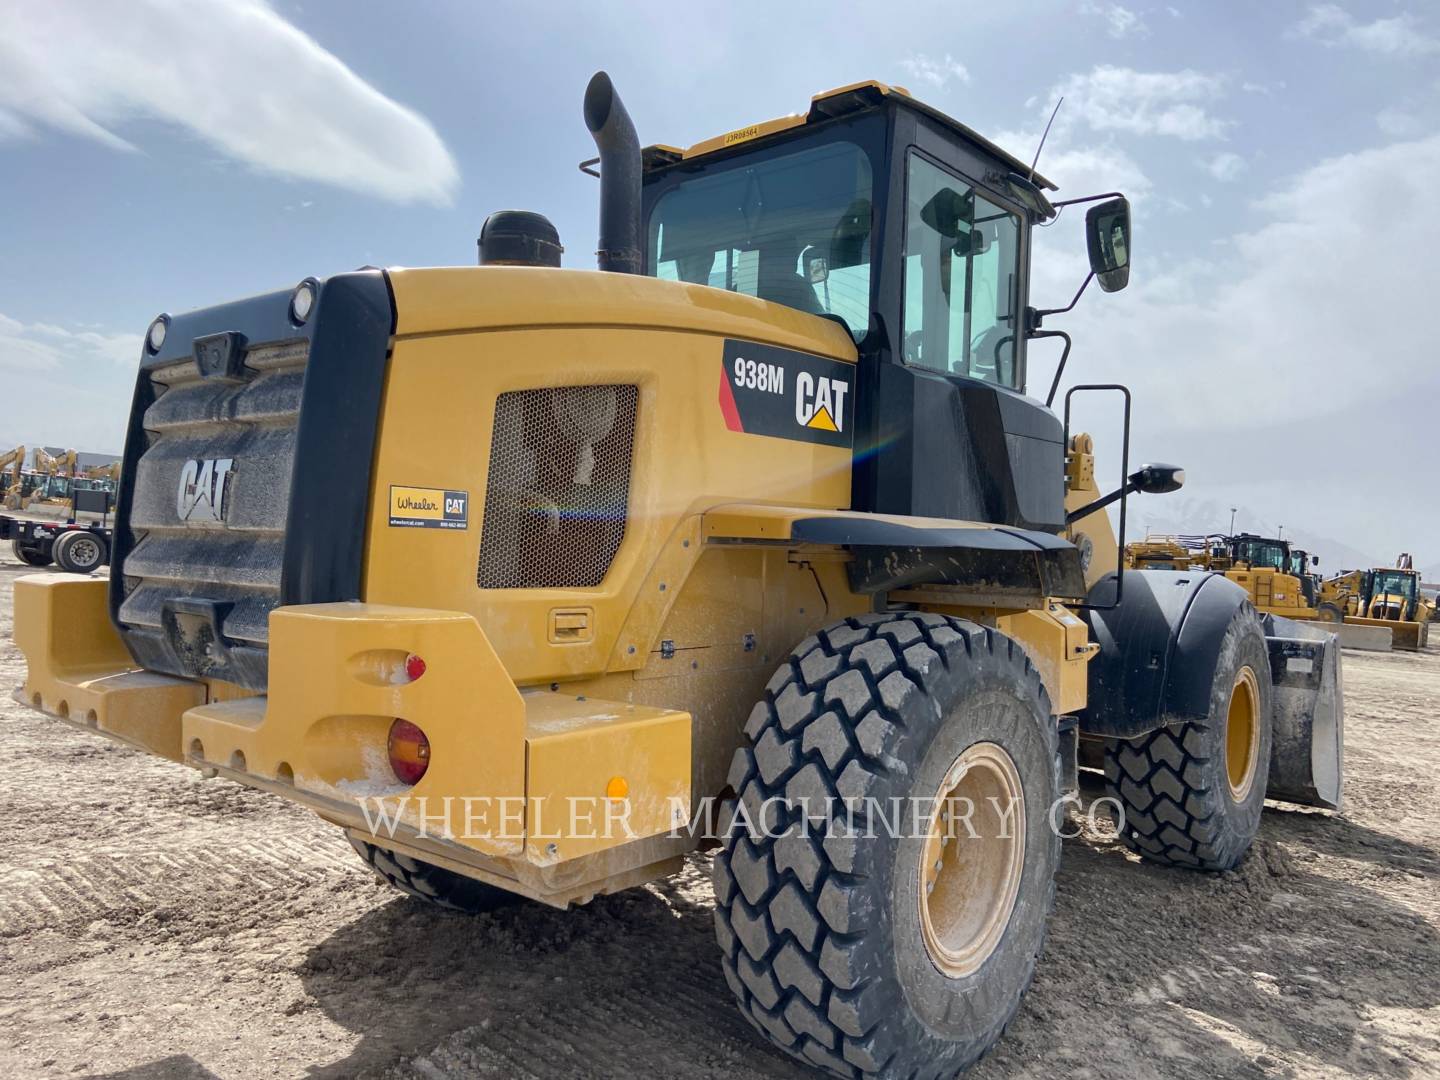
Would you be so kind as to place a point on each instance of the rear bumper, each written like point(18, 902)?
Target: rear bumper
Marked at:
point(521, 789)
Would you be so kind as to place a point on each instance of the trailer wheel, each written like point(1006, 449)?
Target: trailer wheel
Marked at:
point(432, 884)
point(80, 552)
point(30, 556)
point(857, 945)
point(1192, 793)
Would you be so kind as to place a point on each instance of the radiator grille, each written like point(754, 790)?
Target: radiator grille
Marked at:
point(559, 484)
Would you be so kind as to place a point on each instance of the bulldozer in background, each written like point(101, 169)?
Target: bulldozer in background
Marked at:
point(762, 513)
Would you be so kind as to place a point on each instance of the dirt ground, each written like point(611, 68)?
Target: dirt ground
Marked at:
point(154, 924)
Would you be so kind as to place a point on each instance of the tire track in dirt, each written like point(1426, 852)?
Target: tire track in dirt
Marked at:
point(55, 894)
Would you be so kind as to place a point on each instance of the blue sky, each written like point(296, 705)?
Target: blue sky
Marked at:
point(159, 155)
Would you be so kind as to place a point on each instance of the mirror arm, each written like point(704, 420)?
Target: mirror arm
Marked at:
point(1038, 317)
point(1089, 198)
point(1099, 504)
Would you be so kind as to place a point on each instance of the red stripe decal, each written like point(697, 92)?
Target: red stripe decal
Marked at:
point(727, 403)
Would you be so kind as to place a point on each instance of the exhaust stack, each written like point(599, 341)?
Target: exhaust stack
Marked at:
point(619, 148)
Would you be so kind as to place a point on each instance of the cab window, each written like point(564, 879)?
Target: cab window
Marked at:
point(961, 287)
point(793, 229)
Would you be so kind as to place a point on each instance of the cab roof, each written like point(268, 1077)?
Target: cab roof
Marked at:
point(841, 101)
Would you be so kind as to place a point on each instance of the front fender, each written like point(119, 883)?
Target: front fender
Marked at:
point(1158, 649)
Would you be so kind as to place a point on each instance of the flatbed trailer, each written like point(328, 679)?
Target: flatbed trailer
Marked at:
point(77, 547)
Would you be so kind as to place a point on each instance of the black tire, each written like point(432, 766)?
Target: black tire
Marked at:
point(1330, 613)
point(433, 884)
point(80, 551)
point(30, 556)
point(820, 930)
point(1174, 785)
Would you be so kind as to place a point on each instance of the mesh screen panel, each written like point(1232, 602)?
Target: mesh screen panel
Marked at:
point(558, 487)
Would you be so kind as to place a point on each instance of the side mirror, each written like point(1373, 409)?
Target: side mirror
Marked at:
point(1157, 479)
point(1314, 560)
point(1107, 235)
point(948, 211)
point(975, 242)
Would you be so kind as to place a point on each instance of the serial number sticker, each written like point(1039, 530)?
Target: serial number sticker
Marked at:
point(429, 508)
point(1299, 664)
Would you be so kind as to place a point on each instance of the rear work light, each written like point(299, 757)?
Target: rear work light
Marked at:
point(409, 751)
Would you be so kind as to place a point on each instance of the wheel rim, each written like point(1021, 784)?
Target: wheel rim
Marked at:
point(84, 552)
point(1242, 734)
point(968, 883)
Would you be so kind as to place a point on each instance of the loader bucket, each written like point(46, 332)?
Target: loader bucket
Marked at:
point(1307, 721)
point(1409, 636)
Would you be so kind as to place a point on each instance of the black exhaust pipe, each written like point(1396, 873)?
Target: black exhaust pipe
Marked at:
point(619, 147)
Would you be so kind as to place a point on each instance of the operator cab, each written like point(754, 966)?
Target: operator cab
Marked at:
point(1260, 553)
point(913, 233)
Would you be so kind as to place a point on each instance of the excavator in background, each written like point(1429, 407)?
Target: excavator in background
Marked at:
point(14, 461)
point(53, 476)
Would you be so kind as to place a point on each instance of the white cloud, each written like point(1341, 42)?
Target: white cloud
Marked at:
point(31, 346)
point(1120, 21)
point(1144, 103)
point(936, 73)
point(1398, 122)
point(1308, 298)
point(1225, 166)
point(231, 72)
point(1399, 35)
point(1258, 358)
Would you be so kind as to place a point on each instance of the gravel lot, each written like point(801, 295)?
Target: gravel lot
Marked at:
point(154, 924)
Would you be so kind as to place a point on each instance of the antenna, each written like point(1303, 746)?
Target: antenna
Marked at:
point(1043, 136)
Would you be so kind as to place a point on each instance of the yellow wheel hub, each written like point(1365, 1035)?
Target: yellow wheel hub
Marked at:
point(1242, 734)
point(972, 858)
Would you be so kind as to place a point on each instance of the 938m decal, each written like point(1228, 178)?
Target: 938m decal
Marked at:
point(785, 394)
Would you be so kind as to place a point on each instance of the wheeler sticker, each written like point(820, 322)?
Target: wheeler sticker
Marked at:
point(429, 508)
point(786, 394)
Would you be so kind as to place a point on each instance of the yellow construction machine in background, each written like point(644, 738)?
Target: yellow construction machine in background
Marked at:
point(1384, 596)
point(14, 462)
point(1267, 568)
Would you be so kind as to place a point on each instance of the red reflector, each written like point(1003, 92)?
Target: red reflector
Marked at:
point(414, 666)
point(409, 752)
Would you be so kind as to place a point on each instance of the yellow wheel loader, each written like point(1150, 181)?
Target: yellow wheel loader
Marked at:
point(513, 572)
point(1276, 577)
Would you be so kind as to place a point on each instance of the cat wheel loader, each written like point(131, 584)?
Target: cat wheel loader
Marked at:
point(512, 571)
point(1276, 576)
